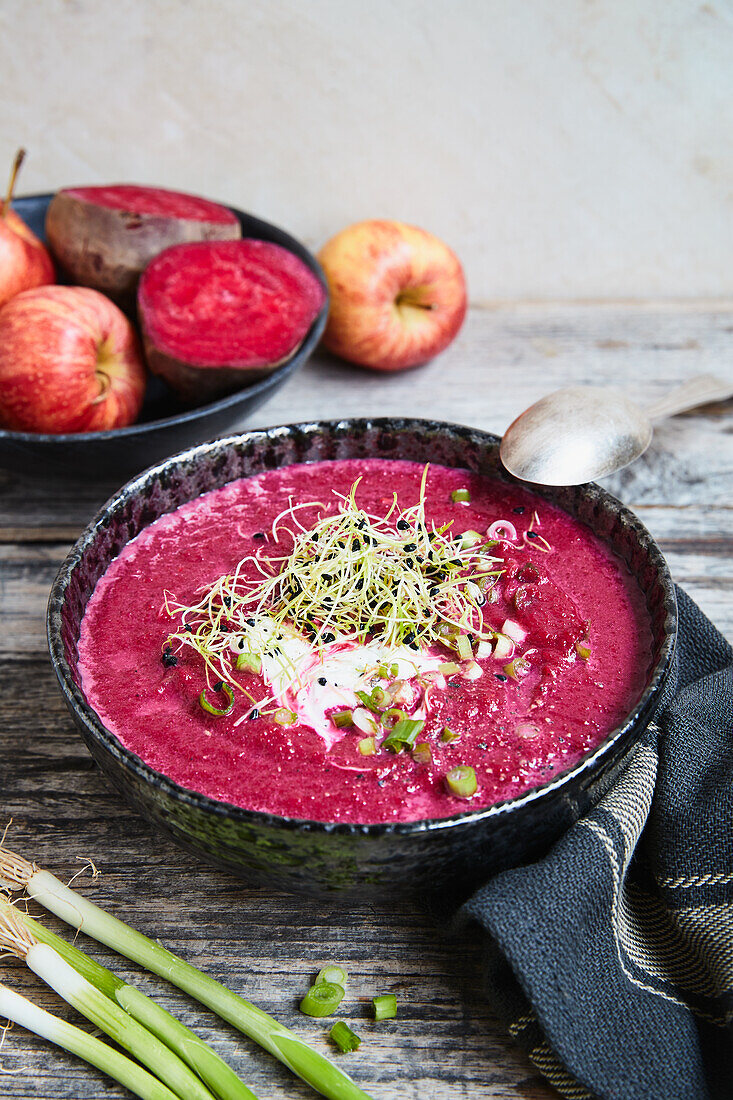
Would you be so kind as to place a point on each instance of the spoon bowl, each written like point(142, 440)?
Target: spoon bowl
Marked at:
point(575, 435)
point(582, 433)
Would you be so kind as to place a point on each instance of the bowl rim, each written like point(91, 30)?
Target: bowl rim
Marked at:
point(131, 762)
point(186, 415)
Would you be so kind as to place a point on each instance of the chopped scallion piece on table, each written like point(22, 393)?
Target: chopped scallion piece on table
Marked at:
point(385, 1006)
point(344, 1038)
point(322, 999)
point(332, 972)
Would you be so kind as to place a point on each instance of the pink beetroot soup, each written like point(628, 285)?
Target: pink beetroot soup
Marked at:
point(568, 654)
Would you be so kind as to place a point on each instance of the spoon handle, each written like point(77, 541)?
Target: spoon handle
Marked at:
point(697, 391)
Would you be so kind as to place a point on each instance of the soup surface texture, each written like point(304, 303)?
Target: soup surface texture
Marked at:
point(364, 641)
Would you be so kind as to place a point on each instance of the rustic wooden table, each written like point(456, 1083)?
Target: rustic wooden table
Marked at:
point(444, 1041)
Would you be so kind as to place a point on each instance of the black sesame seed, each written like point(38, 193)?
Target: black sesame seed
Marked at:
point(501, 676)
point(322, 681)
point(169, 659)
point(254, 713)
point(359, 585)
point(409, 562)
point(218, 685)
point(381, 782)
point(250, 622)
point(258, 535)
point(410, 637)
point(227, 601)
point(403, 525)
point(356, 544)
point(520, 510)
point(532, 535)
point(409, 547)
point(328, 637)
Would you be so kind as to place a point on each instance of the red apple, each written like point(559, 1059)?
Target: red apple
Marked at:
point(70, 361)
point(24, 262)
point(398, 295)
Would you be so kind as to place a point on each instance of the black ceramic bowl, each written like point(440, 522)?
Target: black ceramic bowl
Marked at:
point(165, 424)
point(311, 856)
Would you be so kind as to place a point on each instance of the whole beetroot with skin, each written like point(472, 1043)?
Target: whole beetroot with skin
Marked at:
point(104, 236)
point(69, 362)
point(219, 315)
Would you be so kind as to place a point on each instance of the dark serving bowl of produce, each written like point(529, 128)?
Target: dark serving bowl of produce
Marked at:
point(457, 841)
point(166, 422)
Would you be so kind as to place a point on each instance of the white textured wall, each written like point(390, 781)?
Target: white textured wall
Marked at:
point(565, 148)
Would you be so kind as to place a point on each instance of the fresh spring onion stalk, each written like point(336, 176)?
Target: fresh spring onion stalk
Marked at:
point(68, 1037)
point(213, 1071)
point(99, 1008)
point(80, 913)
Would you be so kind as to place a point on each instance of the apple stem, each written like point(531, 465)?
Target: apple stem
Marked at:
point(19, 158)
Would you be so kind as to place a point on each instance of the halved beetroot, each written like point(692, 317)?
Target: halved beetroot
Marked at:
point(104, 236)
point(218, 315)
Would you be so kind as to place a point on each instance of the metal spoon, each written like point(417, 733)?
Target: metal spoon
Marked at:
point(585, 432)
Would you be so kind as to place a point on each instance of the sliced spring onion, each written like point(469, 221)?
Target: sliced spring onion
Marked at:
point(460, 496)
point(421, 754)
point(464, 647)
point(368, 700)
point(380, 697)
point(79, 912)
point(220, 712)
point(516, 668)
point(250, 662)
point(472, 671)
point(461, 781)
point(68, 1037)
point(322, 999)
point(342, 718)
point(344, 1038)
point(216, 1074)
point(403, 734)
point(449, 735)
point(469, 539)
point(364, 720)
point(503, 647)
point(284, 717)
point(448, 668)
point(385, 1006)
point(367, 746)
point(332, 972)
point(583, 650)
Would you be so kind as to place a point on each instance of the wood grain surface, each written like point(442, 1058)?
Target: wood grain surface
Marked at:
point(267, 946)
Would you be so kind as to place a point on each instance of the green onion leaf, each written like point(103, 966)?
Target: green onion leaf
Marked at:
point(284, 717)
point(461, 781)
point(344, 1038)
point(220, 712)
point(322, 999)
point(385, 1006)
point(403, 734)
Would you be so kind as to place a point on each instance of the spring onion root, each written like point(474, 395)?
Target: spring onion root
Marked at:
point(68, 1037)
point(213, 1071)
point(72, 907)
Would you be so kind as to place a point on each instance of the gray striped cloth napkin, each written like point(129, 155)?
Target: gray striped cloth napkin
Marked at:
point(611, 960)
